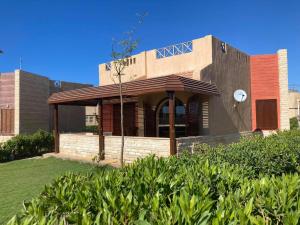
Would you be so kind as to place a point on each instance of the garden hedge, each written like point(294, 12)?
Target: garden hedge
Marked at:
point(218, 186)
point(23, 146)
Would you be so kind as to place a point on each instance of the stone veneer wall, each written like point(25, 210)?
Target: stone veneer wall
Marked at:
point(87, 146)
point(283, 89)
point(187, 143)
point(4, 138)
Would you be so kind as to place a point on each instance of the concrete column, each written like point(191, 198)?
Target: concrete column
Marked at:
point(283, 89)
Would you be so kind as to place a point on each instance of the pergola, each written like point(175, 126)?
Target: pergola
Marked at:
point(93, 96)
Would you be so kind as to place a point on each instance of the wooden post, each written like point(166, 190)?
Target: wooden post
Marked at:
point(100, 129)
point(171, 95)
point(56, 129)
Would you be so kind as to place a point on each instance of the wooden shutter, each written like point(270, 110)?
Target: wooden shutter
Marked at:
point(129, 119)
point(266, 114)
point(107, 118)
point(7, 121)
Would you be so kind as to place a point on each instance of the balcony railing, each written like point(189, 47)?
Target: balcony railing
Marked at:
point(176, 49)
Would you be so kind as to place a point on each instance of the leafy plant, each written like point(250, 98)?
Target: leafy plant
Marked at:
point(92, 129)
point(275, 154)
point(221, 185)
point(22, 146)
point(294, 124)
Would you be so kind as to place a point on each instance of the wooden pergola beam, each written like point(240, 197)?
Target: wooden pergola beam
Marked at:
point(171, 95)
point(56, 129)
point(100, 129)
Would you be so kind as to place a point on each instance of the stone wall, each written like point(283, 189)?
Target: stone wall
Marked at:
point(81, 145)
point(87, 146)
point(5, 138)
point(283, 89)
point(136, 147)
point(187, 143)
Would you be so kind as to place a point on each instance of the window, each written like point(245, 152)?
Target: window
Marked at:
point(107, 66)
point(163, 119)
point(133, 60)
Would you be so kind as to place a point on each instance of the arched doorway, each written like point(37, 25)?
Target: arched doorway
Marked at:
point(162, 118)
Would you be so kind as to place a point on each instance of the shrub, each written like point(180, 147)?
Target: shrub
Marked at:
point(235, 184)
point(188, 190)
point(294, 124)
point(275, 154)
point(22, 146)
point(92, 129)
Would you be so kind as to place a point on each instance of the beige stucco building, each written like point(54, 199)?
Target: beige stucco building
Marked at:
point(24, 108)
point(91, 116)
point(181, 95)
point(294, 104)
point(212, 60)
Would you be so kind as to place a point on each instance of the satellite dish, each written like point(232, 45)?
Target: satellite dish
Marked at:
point(240, 95)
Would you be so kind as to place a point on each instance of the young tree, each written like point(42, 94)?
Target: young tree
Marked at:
point(121, 52)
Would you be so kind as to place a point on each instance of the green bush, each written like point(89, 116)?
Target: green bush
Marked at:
point(22, 146)
point(92, 129)
point(255, 181)
point(188, 190)
point(275, 154)
point(294, 123)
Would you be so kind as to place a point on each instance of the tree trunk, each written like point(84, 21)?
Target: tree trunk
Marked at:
point(122, 124)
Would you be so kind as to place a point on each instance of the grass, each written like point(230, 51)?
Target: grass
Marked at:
point(24, 179)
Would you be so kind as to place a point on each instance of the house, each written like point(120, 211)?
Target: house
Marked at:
point(294, 103)
point(91, 116)
point(180, 95)
point(24, 108)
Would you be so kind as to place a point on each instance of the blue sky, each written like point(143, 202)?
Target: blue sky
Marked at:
point(66, 40)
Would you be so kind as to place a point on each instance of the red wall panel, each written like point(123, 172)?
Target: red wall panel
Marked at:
point(264, 82)
point(107, 118)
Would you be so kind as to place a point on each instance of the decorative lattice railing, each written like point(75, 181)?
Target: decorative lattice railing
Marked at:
point(176, 49)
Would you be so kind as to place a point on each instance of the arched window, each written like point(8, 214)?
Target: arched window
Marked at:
point(163, 126)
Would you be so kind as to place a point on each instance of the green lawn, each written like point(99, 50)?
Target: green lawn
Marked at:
point(24, 179)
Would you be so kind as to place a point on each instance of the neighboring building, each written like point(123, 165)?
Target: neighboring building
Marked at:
point(203, 75)
point(294, 103)
point(91, 116)
point(24, 107)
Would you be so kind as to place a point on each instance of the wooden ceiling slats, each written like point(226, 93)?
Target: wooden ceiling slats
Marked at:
point(90, 95)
